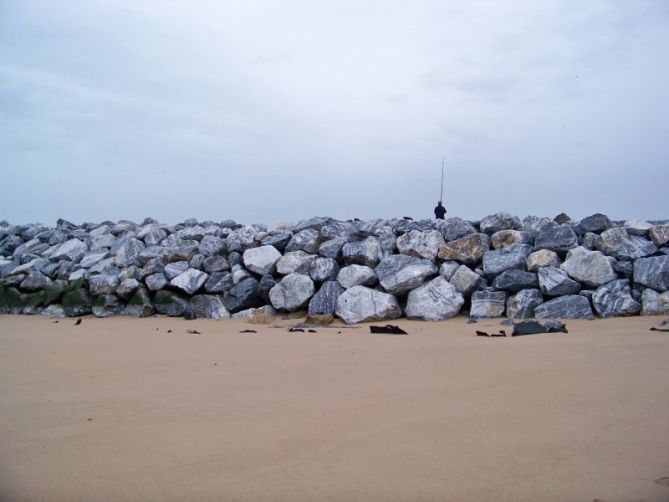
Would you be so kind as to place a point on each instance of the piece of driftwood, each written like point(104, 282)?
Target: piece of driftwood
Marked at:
point(388, 329)
point(248, 331)
point(665, 330)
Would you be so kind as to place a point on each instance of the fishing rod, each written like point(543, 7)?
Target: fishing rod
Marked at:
point(441, 194)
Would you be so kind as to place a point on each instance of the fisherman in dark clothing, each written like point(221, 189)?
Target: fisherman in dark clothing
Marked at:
point(439, 211)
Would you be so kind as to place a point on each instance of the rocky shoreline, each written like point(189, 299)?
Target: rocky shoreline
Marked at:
point(354, 270)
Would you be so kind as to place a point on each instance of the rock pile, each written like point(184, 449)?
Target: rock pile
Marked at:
point(354, 270)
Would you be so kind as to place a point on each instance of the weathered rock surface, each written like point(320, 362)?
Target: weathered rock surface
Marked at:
point(595, 223)
point(208, 307)
point(261, 260)
point(556, 282)
point(468, 250)
point(659, 234)
point(487, 304)
point(218, 282)
point(367, 252)
point(242, 296)
point(500, 221)
point(171, 304)
point(103, 284)
point(542, 258)
point(361, 304)
point(505, 238)
point(420, 244)
point(325, 300)
point(399, 274)
point(465, 280)
point(654, 303)
point(292, 292)
point(357, 275)
point(295, 262)
point(323, 269)
point(513, 280)
point(522, 304)
point(496, 262)
point(565, 307)
point(591, 268)
point(615, 299)
point(558, 238)
point(617, 243)
point(190, 281)
point(435, 301)
point(140, 304)
point(652, 272)
point(305, 240)
point(454, 228)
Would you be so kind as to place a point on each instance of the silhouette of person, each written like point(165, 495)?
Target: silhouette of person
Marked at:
point(439, 211)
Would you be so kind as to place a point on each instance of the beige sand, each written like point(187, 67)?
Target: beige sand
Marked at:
point(118, 409)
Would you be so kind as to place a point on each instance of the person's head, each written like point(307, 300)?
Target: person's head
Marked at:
point(439, 203)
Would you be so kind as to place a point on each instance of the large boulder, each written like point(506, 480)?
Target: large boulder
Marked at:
point(654, 303)
point(218, 282)
point(500, 221)
point(360, 304)
point(261, 260)
point(171, 303)
point(435, 301)
point(208, 307)
point(399, 273)
point(175, 269)
point(555, 282)
point(486, 304)
point(35, 281)
point(652, 272)
point(522, 304)
point(468, 250)
point(513, 280)
point(542, 258)
point(591, 268)
point(156, 282)
point(496, 262)
point(128, 253)
point(454, 228)
point(465, 280)
point(506, 238)
point(292, 292)
point(77, 302)
point(242, 296)
point(420, 244)
point(295, 262)
point(107, 306)
point(332, 248)
point(211, 245)
point(140, 304)
point(367, 252)
point(215, 264)
point(73, 250)
point(323, 269)
point(93, 257)
point(325, 300)
point(595, 223)
point(532, 224)
point(278, 240)
point(103, 284)
point(614, 299)
point(617, 243)
point(637, 227)
point(190, 281)
point(306, 240)
point(558, 238)
point(357, 275)
point(565, 307)
point(126, 289)
point(659, 234)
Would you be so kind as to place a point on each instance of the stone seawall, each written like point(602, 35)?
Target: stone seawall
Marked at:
point(353, 270)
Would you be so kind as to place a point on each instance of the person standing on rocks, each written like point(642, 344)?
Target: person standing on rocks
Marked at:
point(439, 211)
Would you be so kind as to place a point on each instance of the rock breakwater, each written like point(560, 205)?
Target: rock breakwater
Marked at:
point(354, 270)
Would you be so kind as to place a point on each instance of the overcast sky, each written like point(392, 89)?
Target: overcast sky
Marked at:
point(266, 111)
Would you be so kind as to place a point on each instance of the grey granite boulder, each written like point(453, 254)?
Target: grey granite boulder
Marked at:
point(448, 268)
point(455, 228)
point(190, 281)
point(208, 307)
point(361, 304)
point(542, 258)
point(617, 243)
point(589, 241)
point(465, 280)
point(323, 269)
point(242, 296)
point(332, 248)
point(35, 281)
point(399, 273)
point(500, 221)
point(106, 306)
point(565, 307)
point(128, 253)
point(241, 239)
point(558, 238)
point(591, 268)
point(73, 250)
point(357, 275)
point(171, 303)
point(420, 244)
point(140, 304)
point(506, 238)
point(77, 302)
point(325, 299)
point(659, 234)
point(93, 257)
point(261, 260)
point(278, 240)
point(292, 292)
point(175, 269)
point(487, 304)
point(522, 304)
point(532, 224)
point(366, 252)
point(595, 223)
point(218, 282)
point(556, 282)
point(496, 262)
point(614, 299)
point(156, 282)
point(654, 303)
point(306, 240)
point(468, 250)
point(513, 280)
point(295, 262)
point(103, 284)
point(215, 264)
point(211, 245)
point(265, 285)
point(637, 227)
point(652, 272)
point(434, 301)
point(126, 289)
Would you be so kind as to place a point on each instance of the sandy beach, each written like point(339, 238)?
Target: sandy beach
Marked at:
point(122, 409)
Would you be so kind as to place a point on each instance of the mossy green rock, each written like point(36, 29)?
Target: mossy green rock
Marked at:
point(12, 301)
point(140, 304)
point(77, 302)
